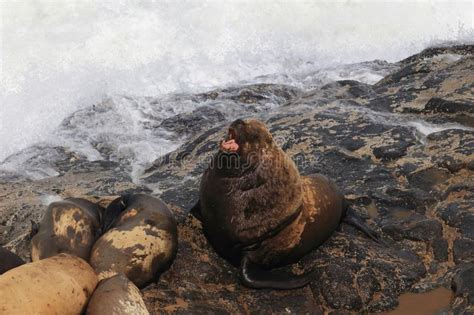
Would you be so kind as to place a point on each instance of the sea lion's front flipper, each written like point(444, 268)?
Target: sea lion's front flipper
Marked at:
point(112, 212)
point(196, 210)
point(253, 276)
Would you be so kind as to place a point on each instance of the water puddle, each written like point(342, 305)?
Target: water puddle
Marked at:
point(372, 210)
point(428, 303)
point(401, 213)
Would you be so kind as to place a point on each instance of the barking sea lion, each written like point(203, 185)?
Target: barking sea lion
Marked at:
point(259, 213)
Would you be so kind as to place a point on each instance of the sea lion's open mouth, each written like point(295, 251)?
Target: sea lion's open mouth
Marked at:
point(230, 143)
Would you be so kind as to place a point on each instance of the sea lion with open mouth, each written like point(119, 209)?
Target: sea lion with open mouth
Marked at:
point(259, 213)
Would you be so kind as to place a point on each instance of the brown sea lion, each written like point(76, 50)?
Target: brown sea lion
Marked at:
point(9, 260)
point(58, 285)
point(258, 212)
point(69, 226)
point(140, 240)
point(116, 296)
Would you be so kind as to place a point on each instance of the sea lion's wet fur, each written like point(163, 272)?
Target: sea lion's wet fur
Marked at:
point(141, 242)
point(254, 203)
point(69, 226)
point(321, 214)
point(259, 193)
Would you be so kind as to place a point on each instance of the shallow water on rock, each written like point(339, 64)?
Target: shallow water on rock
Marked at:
point(428, 303)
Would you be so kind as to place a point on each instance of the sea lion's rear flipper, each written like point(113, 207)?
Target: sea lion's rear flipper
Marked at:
point(34, 229)
point(352, 218)
point(196, 210)
point(253, 276)
point(112, 212)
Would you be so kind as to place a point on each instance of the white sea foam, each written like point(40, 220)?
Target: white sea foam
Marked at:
point(448, 58)
point(47, 199)
point(425, 128)
point(61, 56)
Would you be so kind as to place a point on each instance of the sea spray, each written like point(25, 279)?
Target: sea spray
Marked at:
point(58, 57)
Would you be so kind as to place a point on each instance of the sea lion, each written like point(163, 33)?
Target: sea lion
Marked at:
point(68, 226)
point(259, 213)
point(141, 239)
point(116, 296)
point(58, 285)
point(9, 260)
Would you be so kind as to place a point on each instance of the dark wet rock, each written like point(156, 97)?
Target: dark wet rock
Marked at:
point(182, 196)
point(464, 189)
point(41, 161)
point(459, 215)
point(352, 144)
point(392, 152)
point(338, 288)
point(259, 93)
point(413, 199)
point(434, 51)
point(415, 227)
point(428, 179)
point(190, 123)
point(344, 89)
point(440, 249)
point(463, 250)
point(451, 164)
point(463, 282)
point(407, 168)
point(452, 149)
point(439, 105)
point(421, 59)
point(402, 139)
point(437, 87)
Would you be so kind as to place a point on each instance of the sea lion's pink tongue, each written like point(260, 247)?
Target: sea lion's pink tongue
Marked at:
point(230, 145)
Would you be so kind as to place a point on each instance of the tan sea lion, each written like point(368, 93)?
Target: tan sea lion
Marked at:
point(58, 285)
point(140, 240)
point(259, 213)
point(69, 226)
point(9, 260)
point(116, 296)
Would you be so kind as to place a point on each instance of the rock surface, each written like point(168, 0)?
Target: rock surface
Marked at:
point(402, 150)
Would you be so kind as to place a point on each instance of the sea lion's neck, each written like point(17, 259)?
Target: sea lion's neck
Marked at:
point(233, 165)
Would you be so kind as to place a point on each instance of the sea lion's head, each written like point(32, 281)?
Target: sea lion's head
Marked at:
point(247, 139)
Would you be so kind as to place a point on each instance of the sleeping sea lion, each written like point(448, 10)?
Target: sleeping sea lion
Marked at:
point(140, 239)
point(116, 296)
point(69, 226)
point(57, 285)
point(259, 213)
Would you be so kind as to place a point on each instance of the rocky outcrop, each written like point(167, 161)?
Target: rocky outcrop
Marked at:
point(402, 150)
